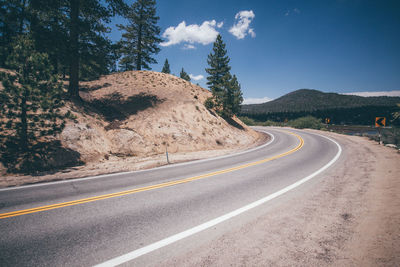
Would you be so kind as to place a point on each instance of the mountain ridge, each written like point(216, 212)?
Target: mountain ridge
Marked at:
point(297, 101)
point(340, 109)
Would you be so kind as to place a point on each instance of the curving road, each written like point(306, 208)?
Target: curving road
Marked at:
point(145, 217)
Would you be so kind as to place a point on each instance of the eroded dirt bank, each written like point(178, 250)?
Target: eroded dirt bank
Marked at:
point(124, 164)
point(348, 216)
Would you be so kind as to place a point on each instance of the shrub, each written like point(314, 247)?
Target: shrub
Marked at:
point(270, 123)
point(209, 103)
point(306, 122)
point(248, 121)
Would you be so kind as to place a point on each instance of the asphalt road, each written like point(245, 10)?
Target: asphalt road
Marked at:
point(86, 222)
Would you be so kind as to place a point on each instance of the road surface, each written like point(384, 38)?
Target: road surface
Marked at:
point(122, 218)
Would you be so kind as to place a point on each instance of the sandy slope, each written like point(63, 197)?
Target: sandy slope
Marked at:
point(348, 216)
point(144, 111)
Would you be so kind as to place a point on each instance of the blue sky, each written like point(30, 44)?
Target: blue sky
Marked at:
point(279, 46)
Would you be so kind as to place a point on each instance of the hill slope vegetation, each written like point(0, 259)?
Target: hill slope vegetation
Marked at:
point(339, 108)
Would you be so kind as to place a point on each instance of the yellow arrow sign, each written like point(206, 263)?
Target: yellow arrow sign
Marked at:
point(380, 122)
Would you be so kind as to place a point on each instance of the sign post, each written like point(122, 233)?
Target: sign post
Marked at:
point(166, 153)
point(379, 123)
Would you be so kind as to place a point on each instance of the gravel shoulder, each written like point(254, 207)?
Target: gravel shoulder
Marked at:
point(123, 164)
point(347, 216)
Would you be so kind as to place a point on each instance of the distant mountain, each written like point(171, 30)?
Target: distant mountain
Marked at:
point(378, 93)
point(341, 108)
point(312, 100)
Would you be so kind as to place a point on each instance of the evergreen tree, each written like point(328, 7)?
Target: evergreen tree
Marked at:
point(227, 95)
point(218, 71)
point(233, 97)
point(86, 26)
point(184, 75)
point(48, 28)
point(73, 32)
point(13, 17)
point(166, 68)
point(30, 100)
point(141, 37)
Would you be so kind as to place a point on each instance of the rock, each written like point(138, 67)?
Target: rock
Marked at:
point(90, 142)
point(127, 142)
point(391, 145)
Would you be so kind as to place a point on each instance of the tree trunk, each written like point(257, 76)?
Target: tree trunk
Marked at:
point(24, 125)
point(139, 49)
point(139, 43)
point(21, 24)
point(73, 88)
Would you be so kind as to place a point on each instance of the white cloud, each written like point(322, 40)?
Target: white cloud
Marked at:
point(294, 10)
point(196, 77)
point(204, 34)
point(252, 33)
point(382, 93)
point(242, 25)
point(250, 100)
point(188, 46)
point(219, 25)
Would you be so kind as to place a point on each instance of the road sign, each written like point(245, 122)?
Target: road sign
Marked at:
point(380, 122)
point(327, 120)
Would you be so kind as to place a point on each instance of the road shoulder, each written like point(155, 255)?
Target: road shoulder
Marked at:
point(123, 165)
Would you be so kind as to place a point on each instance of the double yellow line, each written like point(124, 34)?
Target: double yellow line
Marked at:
point(151, 187)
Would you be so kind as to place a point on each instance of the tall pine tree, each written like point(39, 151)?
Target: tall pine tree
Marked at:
point(141, 38)
point(233, 97)
point(166, 68)
point(48, 28)
point(219, 72)
point(72, 33)
point(13, 17)
point(184, 75)
point(86, 27)
point(227, 95)
point(31, 98)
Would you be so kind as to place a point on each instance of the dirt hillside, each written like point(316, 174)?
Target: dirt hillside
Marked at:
point(139, 113)
point(126, 121)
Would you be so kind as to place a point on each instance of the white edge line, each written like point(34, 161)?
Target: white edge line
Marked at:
point(141, 171)
point(174, 238)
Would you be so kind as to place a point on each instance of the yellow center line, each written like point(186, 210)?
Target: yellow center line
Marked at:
point(151, 187)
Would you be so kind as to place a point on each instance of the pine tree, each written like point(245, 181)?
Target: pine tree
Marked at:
point(233, 97)
point(227, 95)
point(49, 30)
point(218, 71)
point(166, 68)
point(30, 100)
point(13, 18)
point(184, 75)
point(141, 38)
point(88, 39)
point(73, 32)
